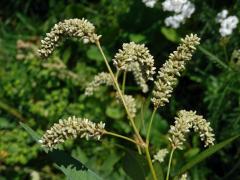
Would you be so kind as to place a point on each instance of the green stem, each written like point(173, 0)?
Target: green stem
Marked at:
point(213, 57)
point(225, 52)
point(14, 112)
point(139, 149)
point(117, 74)
point(119, 91)
point(142, 119)
point(150, 125)
point(150, 163)
point(169, 163)
point(120, 136)
point(124, 81)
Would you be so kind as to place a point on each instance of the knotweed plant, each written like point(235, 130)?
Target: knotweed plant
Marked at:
point(136, 59)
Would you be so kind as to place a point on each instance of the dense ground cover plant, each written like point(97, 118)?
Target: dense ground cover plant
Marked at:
point(50, 90)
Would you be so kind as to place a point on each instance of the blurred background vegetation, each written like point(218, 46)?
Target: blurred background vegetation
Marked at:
point(40, 92)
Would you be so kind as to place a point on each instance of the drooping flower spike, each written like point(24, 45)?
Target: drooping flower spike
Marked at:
point(186, 120)
point(137, 59)
point(77, 28)
point(71, 128)
point(171, 69)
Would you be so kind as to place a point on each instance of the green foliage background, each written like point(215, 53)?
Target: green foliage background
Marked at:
point(39, 92)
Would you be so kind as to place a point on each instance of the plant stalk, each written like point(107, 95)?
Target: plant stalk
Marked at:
point(169, 164)
point(119, 92)
point(124, 81)
point(150, 126)
point(150, 163)
point(120, 136)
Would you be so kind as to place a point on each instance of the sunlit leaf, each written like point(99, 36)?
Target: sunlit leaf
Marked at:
point(205, 154)
point(170, 34)
point(71, 167)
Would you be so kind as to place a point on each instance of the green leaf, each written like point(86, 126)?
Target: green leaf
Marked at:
point(26, 22)
point(205, 154)
point(213, 58)
point(94, 54)
point(135, 165)
point(66, 55)
point(30, 131)
point(159, 172)
point(71, 167)
point(114, 112)
point(110, 161)
point(138, 38)
point(191, 153)
point(170, 34)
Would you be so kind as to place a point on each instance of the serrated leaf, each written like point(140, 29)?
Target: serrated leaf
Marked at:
point(71, 167)
point(205, 154)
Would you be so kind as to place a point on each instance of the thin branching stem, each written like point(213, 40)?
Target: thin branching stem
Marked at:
point(150, 125)
point(131, 120)
point(117, 74)
point(120, 136)
point(147, 146)
point(169, 163)
point(124, 81)
point(119, 92)
point(225, 52)
point(150, 163)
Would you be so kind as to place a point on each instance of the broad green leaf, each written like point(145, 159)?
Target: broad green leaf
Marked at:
point(114, 112)
point(110, 161)
point(159, 170)
point(191, 152)
point(135, 165)
point(66, 55)
point(71, 167)
point(5, 123)
point(205, 154)
point(94, 54)
point(137, 38)
point(170, 34)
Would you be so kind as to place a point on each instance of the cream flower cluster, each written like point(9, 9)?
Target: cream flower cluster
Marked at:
point(149, 3)
point(78, 28)
point(184, 177)
point(167, 75)
point(184, 122)
point(161, 154)
point(227, 23)
point(136, 57)
point(137, 73)
point(130, 103)
point(102, 78)
point(71, 128)
point(182, 9)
